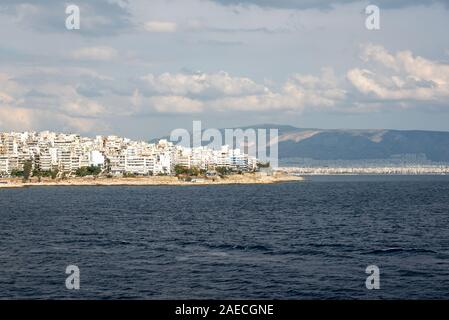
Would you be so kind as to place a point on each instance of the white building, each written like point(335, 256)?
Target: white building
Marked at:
point(96, 158)
point(116, 155)
point(4, 165)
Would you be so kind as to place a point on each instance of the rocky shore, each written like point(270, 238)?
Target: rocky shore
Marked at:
point(248, 178)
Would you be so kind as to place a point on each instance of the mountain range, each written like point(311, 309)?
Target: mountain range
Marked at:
point(358, 144)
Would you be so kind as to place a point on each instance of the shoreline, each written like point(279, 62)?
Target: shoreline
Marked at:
point(152, 181)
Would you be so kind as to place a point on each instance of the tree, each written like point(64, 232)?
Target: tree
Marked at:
point(88, 171)
point(54, 173)
point(180, 169)
point(129, 175)
point(223, 171)
point(43, 173)
point(16, 173)
point(27, 168)
point(108, 165)
point(192, 171)
point(37, 173)
point(263, 165)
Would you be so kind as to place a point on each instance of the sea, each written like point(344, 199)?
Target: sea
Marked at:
point(312, 239)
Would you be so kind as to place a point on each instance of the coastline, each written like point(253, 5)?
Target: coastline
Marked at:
point(152, 181)
point(407, 170)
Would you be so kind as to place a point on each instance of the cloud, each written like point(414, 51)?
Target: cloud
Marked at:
point(176, 104)
point(62, 93)
point(385, 77)
point(402, 77)
point(13, 118)
point(310, 90)
point(5, 98)
point(84, 108)
point(10, 93)
point(79, 124)
point(160, 26)
point(201, 84)
point(325, 4)
point(298, 93)
point(219, 43)
point(65, 100)
point(47, 105)
point(84, 100)
point(183, 93)
point(98, 18)
point(95, 53)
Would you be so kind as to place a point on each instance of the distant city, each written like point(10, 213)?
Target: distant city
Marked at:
point(60, 154)
point(405, 164)
point(69, 154)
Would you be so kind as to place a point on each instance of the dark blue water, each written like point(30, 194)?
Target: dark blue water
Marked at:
point(295, 240)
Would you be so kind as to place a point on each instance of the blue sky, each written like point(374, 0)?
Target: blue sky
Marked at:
point(142, 68)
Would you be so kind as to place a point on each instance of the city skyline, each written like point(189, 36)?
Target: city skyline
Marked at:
point(116, 156)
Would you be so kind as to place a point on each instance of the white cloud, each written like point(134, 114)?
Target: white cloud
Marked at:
point(309, 90)
point(5, 98)
point(400, 77)
point(83, 107)
point(14, 118)
point(8, 88)
point(79, 124)
point(379, 54)
point(52, 105)
point(220, 83)
point(223, 92)
point(160, 26)
point(100, 53)
point(176, 104)
point(407, 77)
point(136, 98)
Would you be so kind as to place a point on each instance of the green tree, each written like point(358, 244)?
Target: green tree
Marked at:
point(43, 173)
point(27, 169)
point(223, 171)
point(180, 169)
point(37, 173)
point(192, 171)
point(54, 173)
point(129, 175)
point(88, 171)
point(16, 173)
point(263, 165)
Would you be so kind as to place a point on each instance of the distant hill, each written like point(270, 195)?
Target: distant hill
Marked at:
point(342, 144)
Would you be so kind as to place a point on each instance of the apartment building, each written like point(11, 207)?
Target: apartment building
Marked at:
point(115, 155)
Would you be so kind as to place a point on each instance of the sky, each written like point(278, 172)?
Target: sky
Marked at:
point(140, 68)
